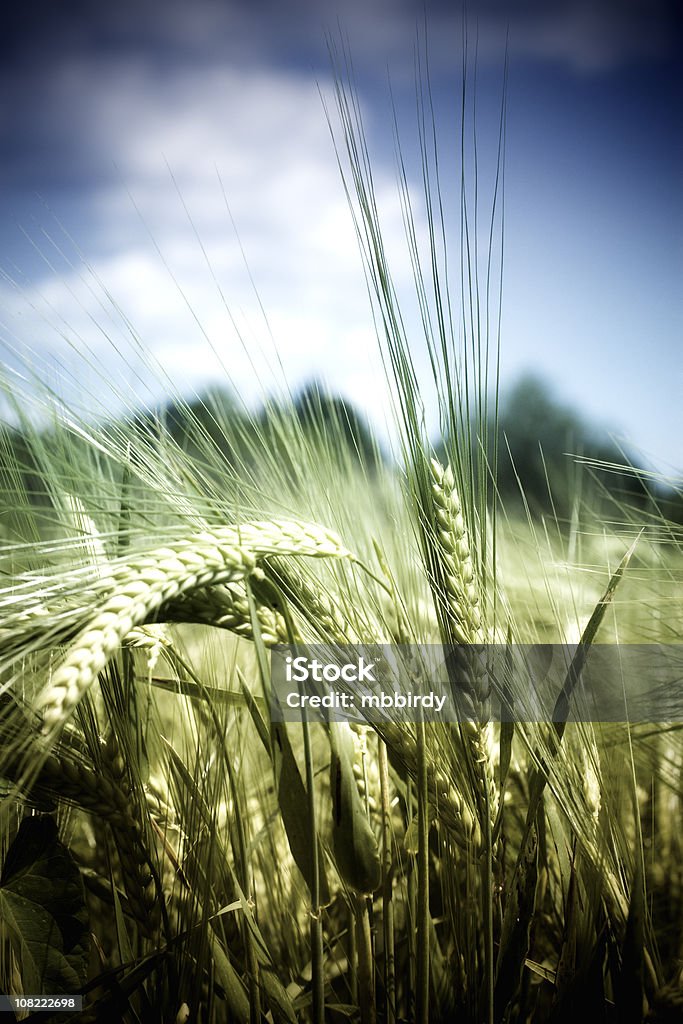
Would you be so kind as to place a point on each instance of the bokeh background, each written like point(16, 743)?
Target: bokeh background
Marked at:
point(168, 184)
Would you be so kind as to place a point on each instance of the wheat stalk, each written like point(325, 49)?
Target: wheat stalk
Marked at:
point(461, 617)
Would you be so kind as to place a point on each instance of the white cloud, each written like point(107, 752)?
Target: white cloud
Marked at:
point(265, 131)
point(266, 135)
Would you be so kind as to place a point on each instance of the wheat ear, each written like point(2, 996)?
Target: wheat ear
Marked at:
point(460, 592)
point(227, 607)
point(320, 607)
point(460, 611)
point(140, 876)
point(146, 584)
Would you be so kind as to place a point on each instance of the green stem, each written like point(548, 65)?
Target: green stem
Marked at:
point(412, 913)
point(238, 838)
point(245, 882)
point(488, 905)
point(317, 979)
point(422, 981)
point(366, 977)
point(353, 955)
point(387, 887)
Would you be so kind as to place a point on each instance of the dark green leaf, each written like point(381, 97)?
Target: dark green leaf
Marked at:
point(42, 907)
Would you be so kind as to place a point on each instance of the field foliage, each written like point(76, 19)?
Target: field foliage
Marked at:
point(171, 852)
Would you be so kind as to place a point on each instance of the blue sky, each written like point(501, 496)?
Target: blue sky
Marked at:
point(125, 128)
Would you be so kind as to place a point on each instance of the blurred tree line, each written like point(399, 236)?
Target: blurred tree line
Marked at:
point(549, 458)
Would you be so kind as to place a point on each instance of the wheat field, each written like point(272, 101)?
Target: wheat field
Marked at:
point(172, 852)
